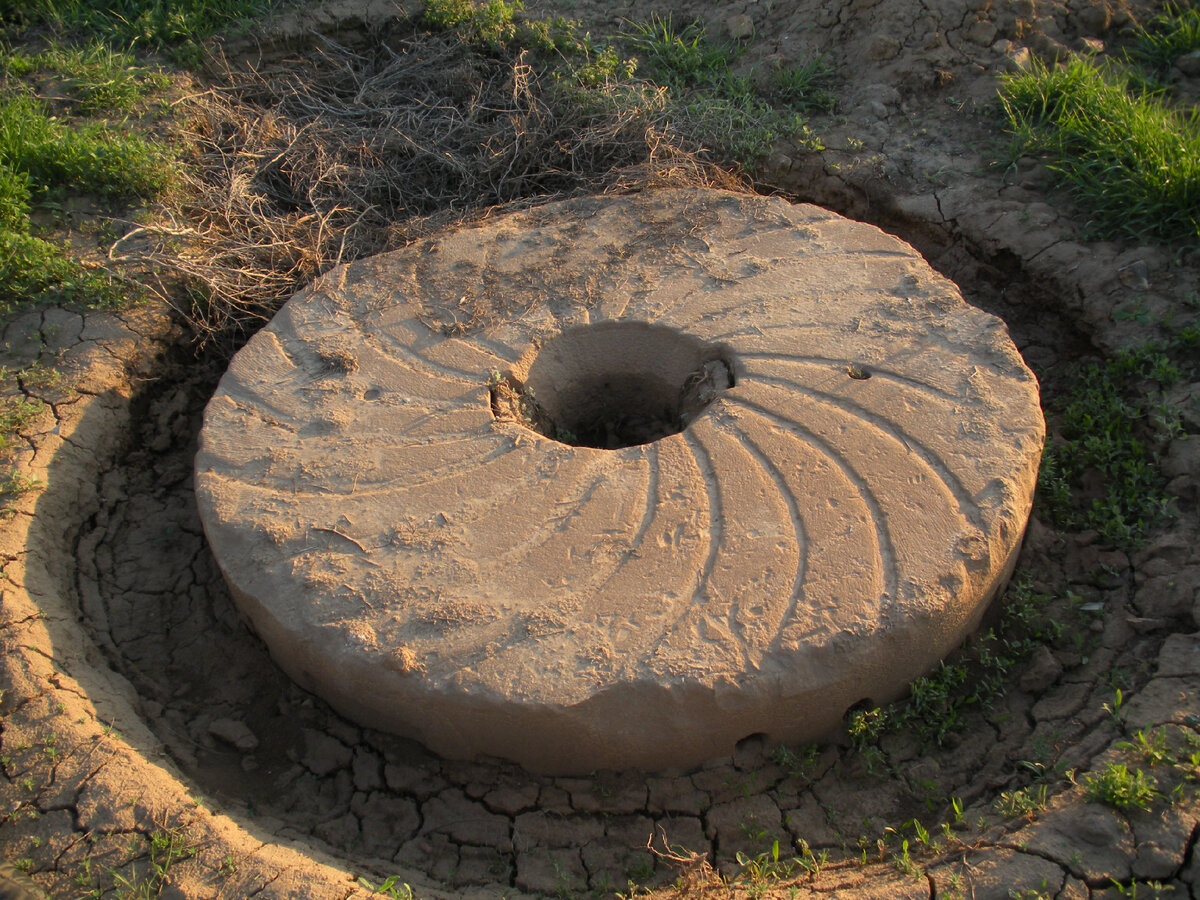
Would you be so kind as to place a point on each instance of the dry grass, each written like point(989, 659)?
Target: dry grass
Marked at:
point(695, 876)
point(344, 153)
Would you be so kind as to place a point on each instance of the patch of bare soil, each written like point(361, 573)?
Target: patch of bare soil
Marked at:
point(147, 734)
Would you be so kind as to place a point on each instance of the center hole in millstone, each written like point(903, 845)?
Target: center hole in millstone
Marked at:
point(613, 384)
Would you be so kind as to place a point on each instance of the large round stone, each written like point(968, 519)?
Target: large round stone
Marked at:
point(619, 481)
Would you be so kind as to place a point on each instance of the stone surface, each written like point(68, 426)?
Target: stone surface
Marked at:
point(822, 531)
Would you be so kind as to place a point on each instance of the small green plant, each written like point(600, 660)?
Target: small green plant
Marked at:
point(1149, 890)
point(933, 704)
point(799, 761)
point(604, 67)
point(904, 861)
point(1121, 788)
point(811, 862)
point(954, 887)
point(391, 887)
point(1114, 709)
point(937, 702)
point(772, 865)
point(766, 866)
point(866, 726)
point(1027, 802)
point(1151, 746)
point(167, 848)
point(14, 485)
point(15, 415)
point(1040, 893)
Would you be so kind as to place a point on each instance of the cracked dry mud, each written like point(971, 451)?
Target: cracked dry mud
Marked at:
point(136, 704)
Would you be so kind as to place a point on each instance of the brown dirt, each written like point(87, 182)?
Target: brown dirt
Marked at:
point(135, 704)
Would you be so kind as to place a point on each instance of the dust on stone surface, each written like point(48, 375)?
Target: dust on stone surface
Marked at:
point(80, 784)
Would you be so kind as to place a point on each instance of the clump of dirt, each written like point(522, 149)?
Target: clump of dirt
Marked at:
point(513, 402)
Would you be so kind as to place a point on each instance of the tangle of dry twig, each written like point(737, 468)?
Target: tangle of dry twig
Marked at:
point(345, 152)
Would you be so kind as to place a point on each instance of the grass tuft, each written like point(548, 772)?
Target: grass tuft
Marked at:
point(1171, 34)
point(1130, 159)
point(680, 57)
point(1122, 788)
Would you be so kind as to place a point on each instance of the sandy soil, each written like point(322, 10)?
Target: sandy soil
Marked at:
point(140, 716)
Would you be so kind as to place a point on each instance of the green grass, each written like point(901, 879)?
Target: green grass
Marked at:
point(489, 24)
point(684, 59)
point(28, 265)
point(1100, 472)
point(80, 156)
point(681, 57)
point(175, 25)
point(1131, 160)
point(734, 117)
point(740, 116)
point(99, 80)
point(1171, 34)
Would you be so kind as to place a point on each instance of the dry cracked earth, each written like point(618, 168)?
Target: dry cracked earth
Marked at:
point(148, 743)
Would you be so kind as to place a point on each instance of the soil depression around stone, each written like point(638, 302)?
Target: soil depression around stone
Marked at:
point(849, 482)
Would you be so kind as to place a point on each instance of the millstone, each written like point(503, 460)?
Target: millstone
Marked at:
point(620, 481)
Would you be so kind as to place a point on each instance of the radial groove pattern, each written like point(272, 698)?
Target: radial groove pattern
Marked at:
point(849, 490)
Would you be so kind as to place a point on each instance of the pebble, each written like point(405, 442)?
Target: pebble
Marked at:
point(234, 732)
